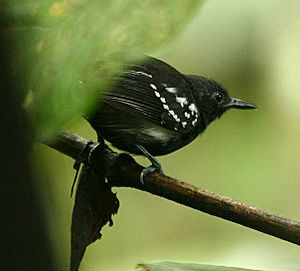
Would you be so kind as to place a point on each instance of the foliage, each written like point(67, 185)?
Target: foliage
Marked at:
point(67, 49)
point(169, 266)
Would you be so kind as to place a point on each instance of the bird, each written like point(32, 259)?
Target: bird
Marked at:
point(152, 109)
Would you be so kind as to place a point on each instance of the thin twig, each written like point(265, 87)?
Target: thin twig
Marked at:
point(124, 171)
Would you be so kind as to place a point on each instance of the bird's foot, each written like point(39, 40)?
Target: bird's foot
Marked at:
point(155, 166)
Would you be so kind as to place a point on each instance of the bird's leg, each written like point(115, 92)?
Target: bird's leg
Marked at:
point(155, 166)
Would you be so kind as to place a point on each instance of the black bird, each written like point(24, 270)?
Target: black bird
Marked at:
point(153, 109)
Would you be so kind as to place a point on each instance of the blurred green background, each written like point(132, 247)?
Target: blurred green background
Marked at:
point(253, 49)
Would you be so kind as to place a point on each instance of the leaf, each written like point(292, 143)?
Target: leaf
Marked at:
point(65, 48)
point(173, 266)
point(94, 206)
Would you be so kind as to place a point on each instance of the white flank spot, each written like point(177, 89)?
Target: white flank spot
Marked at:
point(157, 134)
point(194, 122)
point(175, 129)
point(193, 108)
point(187, 115)
point(166, 107)
point(153, 86)
point(157, 94)
point(171, 90)
point(163, 100)
point(184, 123)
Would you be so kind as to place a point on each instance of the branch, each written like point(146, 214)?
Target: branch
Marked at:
point(125, 172)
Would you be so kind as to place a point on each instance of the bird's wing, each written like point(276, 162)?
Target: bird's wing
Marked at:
point(157, 92)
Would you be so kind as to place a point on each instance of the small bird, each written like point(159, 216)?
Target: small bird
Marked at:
point(153, 110)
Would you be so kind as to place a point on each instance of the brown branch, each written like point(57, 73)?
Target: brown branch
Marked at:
point(124, 171)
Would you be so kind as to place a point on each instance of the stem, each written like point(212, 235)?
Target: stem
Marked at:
point(125, 172)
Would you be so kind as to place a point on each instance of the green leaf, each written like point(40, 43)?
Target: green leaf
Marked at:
point(66, 49)
point(173, 266)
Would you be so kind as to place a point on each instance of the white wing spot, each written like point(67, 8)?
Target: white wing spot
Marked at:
point(193, 108)
point(171, 90)
point(176, 118)
point(187, 115)
point(194, 122)
point(172, 112)
point(157, 94)
point(184, 123)
point(139, 73)
point(163, 100)
point(166, 107)
point(181, 100)
point(153, 86)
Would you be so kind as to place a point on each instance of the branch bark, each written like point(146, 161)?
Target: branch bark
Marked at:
point(125, 172)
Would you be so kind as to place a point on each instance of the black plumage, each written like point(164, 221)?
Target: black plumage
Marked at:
point(155, 106)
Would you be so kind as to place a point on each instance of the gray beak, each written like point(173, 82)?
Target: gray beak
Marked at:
point(239, 104)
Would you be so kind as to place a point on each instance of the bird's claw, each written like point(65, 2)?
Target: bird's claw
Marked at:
point(150, 169)
point(156, 166)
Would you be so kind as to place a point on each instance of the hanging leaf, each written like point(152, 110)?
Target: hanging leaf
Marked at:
point(94, 206)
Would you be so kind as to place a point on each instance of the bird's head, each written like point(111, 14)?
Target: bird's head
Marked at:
point(214, 100)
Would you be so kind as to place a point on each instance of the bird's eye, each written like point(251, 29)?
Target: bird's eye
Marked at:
point(218, 97)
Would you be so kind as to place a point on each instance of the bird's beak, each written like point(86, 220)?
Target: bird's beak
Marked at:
point(239, 104)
